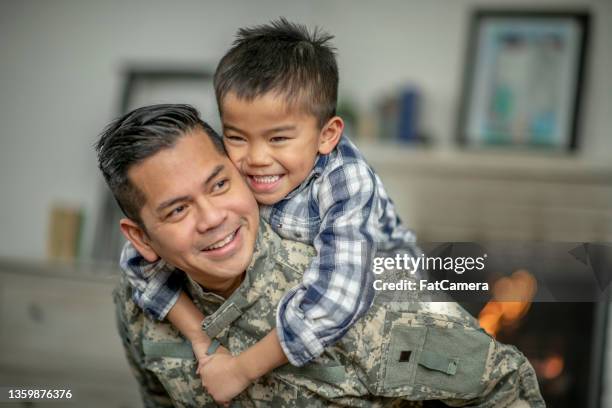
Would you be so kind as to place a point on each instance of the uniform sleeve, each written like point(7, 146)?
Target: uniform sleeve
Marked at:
point(129, 320)
point(509, 380)
point(156, 286)
point(337, 286)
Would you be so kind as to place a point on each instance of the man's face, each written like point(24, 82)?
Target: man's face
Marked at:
point(273, 146)
point(199, 214)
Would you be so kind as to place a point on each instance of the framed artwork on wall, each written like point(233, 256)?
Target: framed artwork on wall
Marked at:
point(524, 77)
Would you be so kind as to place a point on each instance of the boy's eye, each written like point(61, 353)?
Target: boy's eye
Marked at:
point(277, 139)
point(235, 138)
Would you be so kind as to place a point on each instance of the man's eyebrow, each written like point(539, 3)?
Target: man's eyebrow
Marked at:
point(214, 173)
point(170, 202)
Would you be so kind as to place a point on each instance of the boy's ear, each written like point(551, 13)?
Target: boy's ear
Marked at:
point(139, 238)
point(330, 135)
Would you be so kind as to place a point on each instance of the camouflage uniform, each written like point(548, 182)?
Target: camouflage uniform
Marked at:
point(400, 353)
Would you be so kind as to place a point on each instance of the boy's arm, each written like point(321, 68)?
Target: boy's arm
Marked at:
point(337, 286)
point(155, 285)
point(187, 318)
point(263, 357)
point(157, 290)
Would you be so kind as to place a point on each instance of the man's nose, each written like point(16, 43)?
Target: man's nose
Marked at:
point(209, 215)
point(258, 155)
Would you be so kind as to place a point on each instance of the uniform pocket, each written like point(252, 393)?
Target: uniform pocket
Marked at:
point(438, 362)
point(174, 366)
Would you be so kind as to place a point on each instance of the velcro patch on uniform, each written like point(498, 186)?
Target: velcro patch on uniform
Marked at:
point(404, 356)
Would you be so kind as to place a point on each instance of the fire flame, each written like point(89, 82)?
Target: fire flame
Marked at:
point(521, 286)
point(552, 367)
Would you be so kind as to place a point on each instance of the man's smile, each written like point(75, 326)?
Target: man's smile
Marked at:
point(221, 243)
point(224, 245)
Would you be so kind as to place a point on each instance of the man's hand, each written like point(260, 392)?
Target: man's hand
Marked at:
point(222, 376)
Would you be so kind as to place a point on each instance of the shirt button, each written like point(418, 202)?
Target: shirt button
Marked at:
point(279, 226)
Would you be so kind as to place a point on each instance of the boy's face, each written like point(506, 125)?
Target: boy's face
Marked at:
point(273, 147)
point(199, 214)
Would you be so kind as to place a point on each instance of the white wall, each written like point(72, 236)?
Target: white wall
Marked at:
point(60, 84)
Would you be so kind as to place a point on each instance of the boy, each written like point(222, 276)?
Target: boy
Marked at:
point(276, 90)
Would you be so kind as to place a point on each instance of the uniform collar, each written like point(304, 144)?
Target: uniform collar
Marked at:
point(266, 243)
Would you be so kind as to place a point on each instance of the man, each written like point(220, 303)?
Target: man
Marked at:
point(188, 205)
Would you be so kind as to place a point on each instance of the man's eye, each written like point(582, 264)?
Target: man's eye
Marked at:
point(176, 211)
point(221, 185)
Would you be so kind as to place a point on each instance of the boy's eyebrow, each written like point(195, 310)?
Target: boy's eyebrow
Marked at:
point(230, 127)
point(170, 202)
point(272, 130)
point(281, 129)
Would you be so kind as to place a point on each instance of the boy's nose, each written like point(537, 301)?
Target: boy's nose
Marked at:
point(258, 156)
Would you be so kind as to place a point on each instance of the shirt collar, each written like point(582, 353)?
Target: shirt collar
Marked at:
point(317, 170)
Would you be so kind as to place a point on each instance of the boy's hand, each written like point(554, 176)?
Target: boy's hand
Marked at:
point(200, 346)
point(222, 376)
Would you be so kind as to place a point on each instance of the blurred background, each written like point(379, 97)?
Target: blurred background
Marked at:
point(486, 120)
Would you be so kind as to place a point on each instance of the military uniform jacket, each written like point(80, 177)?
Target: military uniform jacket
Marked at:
point(401, 351)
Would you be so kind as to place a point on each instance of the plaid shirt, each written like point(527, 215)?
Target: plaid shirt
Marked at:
point(343, 210)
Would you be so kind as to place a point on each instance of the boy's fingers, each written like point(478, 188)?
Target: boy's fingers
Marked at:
point(202, 362)
point(205, 360)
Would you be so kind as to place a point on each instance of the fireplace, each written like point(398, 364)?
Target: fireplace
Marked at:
point(564, 342)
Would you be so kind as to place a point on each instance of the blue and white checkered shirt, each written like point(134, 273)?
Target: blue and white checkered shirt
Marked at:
point(343, 210)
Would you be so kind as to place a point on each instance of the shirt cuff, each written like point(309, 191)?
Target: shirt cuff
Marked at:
point(297, 339)
point(157, 303)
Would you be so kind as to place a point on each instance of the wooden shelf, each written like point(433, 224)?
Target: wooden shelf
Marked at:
point(494, 195)
point(534, 166)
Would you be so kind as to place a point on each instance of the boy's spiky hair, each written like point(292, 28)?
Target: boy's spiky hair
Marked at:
point(285, 58)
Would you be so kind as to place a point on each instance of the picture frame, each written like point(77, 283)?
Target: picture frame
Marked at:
point(523, 80)
point(148, 85)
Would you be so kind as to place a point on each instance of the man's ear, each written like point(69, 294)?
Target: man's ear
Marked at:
point(139, 238)
point(330, 135)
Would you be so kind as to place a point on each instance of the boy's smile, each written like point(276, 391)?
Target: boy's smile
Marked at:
point(273, 145)
point(264, 184)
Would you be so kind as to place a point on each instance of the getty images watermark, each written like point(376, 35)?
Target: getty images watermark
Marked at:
point(405, 263)
point(475, 271)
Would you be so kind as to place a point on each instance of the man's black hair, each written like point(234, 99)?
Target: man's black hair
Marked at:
point(285, 58)
point(137, 136)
